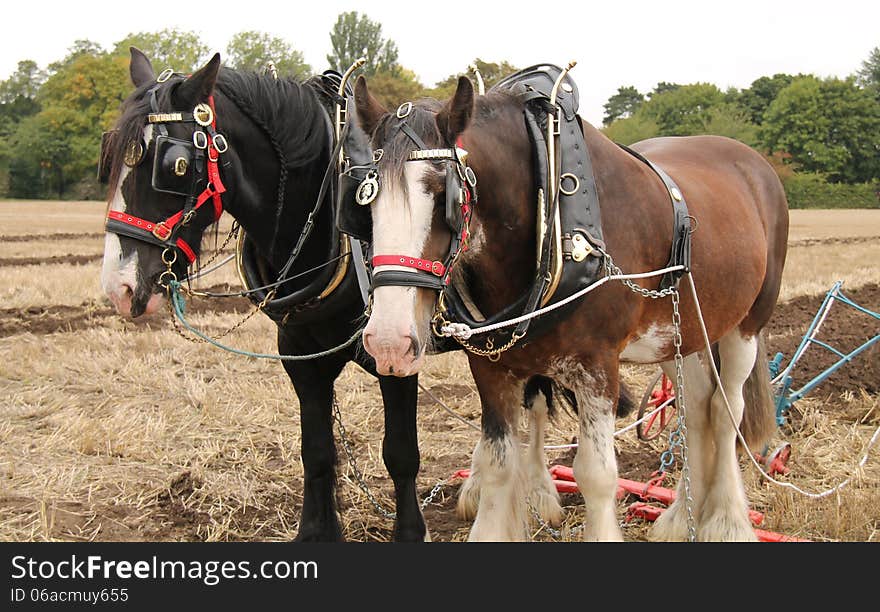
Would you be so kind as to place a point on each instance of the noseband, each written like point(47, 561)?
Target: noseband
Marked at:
point(461, 196)
point(180, 167)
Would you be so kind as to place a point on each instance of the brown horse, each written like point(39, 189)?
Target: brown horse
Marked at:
point(738, 253)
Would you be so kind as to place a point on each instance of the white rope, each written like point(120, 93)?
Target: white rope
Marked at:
point(463, 332)
point(216, 266)
point(739, 435)
point(621, 431)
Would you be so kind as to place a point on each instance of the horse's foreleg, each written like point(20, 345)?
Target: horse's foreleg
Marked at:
point(595, 466)
point(501, 506)
point(313, 382)
point(400, 450)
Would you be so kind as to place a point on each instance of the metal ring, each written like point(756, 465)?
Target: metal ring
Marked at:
point(377, 155)
point(163, 275)
point(577, 183)
point(164, 75)
point(173, 259)
point(404, 110)
point(470, 176)
point(220, 143)
point(200, 140)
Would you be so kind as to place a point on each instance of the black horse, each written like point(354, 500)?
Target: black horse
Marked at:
point(262, 149)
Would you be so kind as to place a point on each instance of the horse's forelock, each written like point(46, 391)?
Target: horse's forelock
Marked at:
point(129, 128)
point(397, 145)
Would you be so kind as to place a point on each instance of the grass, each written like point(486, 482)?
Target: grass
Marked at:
point(124, 431)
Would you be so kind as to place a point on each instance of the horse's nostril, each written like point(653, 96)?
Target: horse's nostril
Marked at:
point(414, 345)
point(127, 291)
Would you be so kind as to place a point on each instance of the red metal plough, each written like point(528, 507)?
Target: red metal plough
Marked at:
point(563, 480)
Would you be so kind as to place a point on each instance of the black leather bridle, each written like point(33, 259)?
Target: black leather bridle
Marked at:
point(461, 196)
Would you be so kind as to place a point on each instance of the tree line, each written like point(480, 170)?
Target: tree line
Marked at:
point(816, 132)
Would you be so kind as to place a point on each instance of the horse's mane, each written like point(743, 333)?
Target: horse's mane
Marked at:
point(287, 111)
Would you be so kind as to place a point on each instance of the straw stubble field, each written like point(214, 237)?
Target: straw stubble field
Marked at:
point(119, 430)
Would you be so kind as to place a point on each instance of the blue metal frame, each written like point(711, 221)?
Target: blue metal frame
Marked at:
point(784, 396)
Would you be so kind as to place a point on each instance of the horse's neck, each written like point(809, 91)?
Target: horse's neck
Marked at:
point(252, 178)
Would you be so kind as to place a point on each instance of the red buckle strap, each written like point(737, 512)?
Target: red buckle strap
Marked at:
point(425, 265)
point(159, 230)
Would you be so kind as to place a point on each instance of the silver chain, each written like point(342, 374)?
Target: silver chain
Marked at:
point(678, 437)
point(681, 431)
point(359, 476)
point(612, 270)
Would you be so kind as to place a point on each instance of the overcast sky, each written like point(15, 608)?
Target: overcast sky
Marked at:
point(615, 43)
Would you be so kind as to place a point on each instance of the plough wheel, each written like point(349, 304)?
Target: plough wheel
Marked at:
point(660, 391)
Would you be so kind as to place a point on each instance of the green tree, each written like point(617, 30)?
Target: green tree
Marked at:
point(663, 87)
point(170, 48)
point(684, 109)
point(631, 129)
point(24, 83)
point(394, 88)
point(829, 126)
point(727, 119)
point(354, 36)
point(252, 50)
point(492, 72)
point(869, 75)
point(18, 101)
point(81, 46)
point(761, 93)
point(58, 146)
point(622, 104)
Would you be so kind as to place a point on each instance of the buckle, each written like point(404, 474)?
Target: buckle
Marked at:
point(161, 231)
point(220, 144)
point(404, 110)
point(437, 268)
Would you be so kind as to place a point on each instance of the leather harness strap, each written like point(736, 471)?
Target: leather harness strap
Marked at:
point(681, 223)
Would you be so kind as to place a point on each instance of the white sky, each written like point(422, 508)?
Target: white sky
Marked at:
point(631, 42)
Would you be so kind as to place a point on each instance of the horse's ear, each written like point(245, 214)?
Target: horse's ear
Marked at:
point(369, 109)
point(455, 116)
point(200, 85)
point(140, 68)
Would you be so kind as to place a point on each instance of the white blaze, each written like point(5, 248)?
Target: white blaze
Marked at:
point(118, 274)
point(400, 227)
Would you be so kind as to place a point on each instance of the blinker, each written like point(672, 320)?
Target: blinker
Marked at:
point(172, 165)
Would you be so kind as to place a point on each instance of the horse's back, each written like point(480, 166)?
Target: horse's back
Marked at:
point(737, 199)
point(721, 163)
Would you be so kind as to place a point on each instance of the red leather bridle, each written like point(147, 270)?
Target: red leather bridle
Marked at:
point(207, 146)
